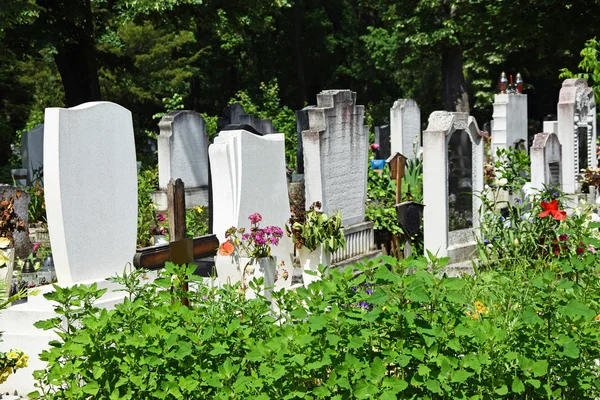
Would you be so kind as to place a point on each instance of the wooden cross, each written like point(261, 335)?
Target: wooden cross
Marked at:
point(178, 250)
point(397, 163)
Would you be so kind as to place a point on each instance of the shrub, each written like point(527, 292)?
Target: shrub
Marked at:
point(381, 333)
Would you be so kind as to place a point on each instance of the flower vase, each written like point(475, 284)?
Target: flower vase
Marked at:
point(160, 239)
point(263, 267)
point(310, 260)
point(228, 270)
point(6, 273)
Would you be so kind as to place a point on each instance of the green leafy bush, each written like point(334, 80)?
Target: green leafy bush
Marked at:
point(147, 183)
point(381, 198)
point(313, 228)
point(382, 333)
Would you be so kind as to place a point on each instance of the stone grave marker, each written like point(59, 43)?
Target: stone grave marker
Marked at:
point(32, 151)
point(249, 176)
point(452, 176)
point(301, 125)
point(336, 150)
point(576, 132)
point(405, 127)
point(234, 114)
point(382, 138)
point(183, 154)
point(91, 190)
point(545, 161)
point(509, 127)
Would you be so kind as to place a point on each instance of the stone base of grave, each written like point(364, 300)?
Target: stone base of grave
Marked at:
point(360, 242)
point(461, 246)
point(194, 197)
point(20, 333)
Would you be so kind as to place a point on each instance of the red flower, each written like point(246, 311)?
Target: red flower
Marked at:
point(552, 209)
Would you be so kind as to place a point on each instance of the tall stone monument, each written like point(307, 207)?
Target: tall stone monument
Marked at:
point(405, 128)
point(509, 129)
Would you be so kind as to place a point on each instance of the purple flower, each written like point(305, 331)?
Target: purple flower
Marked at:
point(245, 236)
point(255, 218)
point(161, 217)
point(368, 291)
point(364, 305)
point(36, 245)
point(562, 237)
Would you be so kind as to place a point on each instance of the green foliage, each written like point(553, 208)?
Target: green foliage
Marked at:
point(511, 169)
point(147, 183)
point(313, 228)
point(381, 198)
point(412, 183)
point(37, 203)
point(372, 331)
point(589, 67)
point(196, 221)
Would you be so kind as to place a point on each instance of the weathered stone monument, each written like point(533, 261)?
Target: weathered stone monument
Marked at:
point(234, 114)
point(545, 161)
point(32, 151)
point(301, 125)
point(405, 128)
point(336, 146)
point(183, 154)
point(452, 178)
point(576, 132)
point(509, 128)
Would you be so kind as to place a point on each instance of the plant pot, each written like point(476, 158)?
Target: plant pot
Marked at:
point(264, 267)
point(310, 260)
point(6, 273)
point(160, 239)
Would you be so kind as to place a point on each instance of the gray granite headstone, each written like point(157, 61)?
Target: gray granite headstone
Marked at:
point(234, 114)
point(32, 151)
point(382, 138)
point(23, 245)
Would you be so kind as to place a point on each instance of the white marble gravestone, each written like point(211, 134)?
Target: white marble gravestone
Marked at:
point(249, 176)
point(32, 151)
point(91, 190)
point(336, 147)
point(545, 161)
point(550, 127)
point(576, 132)
point(183, 153)
point(452, 178)
point(509, 128)
point(405, 128)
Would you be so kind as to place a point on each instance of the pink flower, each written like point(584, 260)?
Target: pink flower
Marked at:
point(255, 218)
point(374, 146)
point(161, 217)
point(36, 245)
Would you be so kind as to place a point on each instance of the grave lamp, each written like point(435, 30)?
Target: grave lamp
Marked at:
point(48, 273)
point(29, 274)
point(519, 83)
point(503, 83)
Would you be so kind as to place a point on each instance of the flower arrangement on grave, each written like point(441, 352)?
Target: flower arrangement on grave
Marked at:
point(591, 177)
point(254, 244)
point(160, 225)
point(313, 228)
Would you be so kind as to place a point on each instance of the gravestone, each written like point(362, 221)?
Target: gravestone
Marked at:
point(509, 128)
point(183, 154)
point(22, 244)
point(545, 161)
point(249, 176)
point(234, 114)
point(550, 127)
point(576, 132)
point(301, 125)
point(382, 138)
point(91, 190)
point(452, 177)
point(32, 151)
point(405, 128)
point(336, 147)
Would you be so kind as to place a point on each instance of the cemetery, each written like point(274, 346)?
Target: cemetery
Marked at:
point(341, 248)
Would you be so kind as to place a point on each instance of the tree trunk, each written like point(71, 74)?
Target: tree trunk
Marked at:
point(298, 17)
point(76, 52)
point(453, 80)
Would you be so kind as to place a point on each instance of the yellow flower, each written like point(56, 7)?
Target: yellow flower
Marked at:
point(198, 209)
point(12, 355)
point(22, 363)
point(597, 317)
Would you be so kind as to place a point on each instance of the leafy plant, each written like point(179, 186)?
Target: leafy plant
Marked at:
point(147, 183)
point(37, 203)
point(196, 221)
point(381, 196)
point(589, 67)
point(254, 244)
point(313, 228)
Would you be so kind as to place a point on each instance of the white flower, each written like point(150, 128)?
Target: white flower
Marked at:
point(502, 182)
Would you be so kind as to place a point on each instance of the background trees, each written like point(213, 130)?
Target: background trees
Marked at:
point(149, 55)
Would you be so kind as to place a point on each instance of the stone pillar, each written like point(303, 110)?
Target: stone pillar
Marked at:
point(510, 121)
point(545, 161)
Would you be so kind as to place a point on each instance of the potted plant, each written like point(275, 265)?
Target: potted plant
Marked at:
point(316, 236)
point(159, 231)
point(250, 257)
